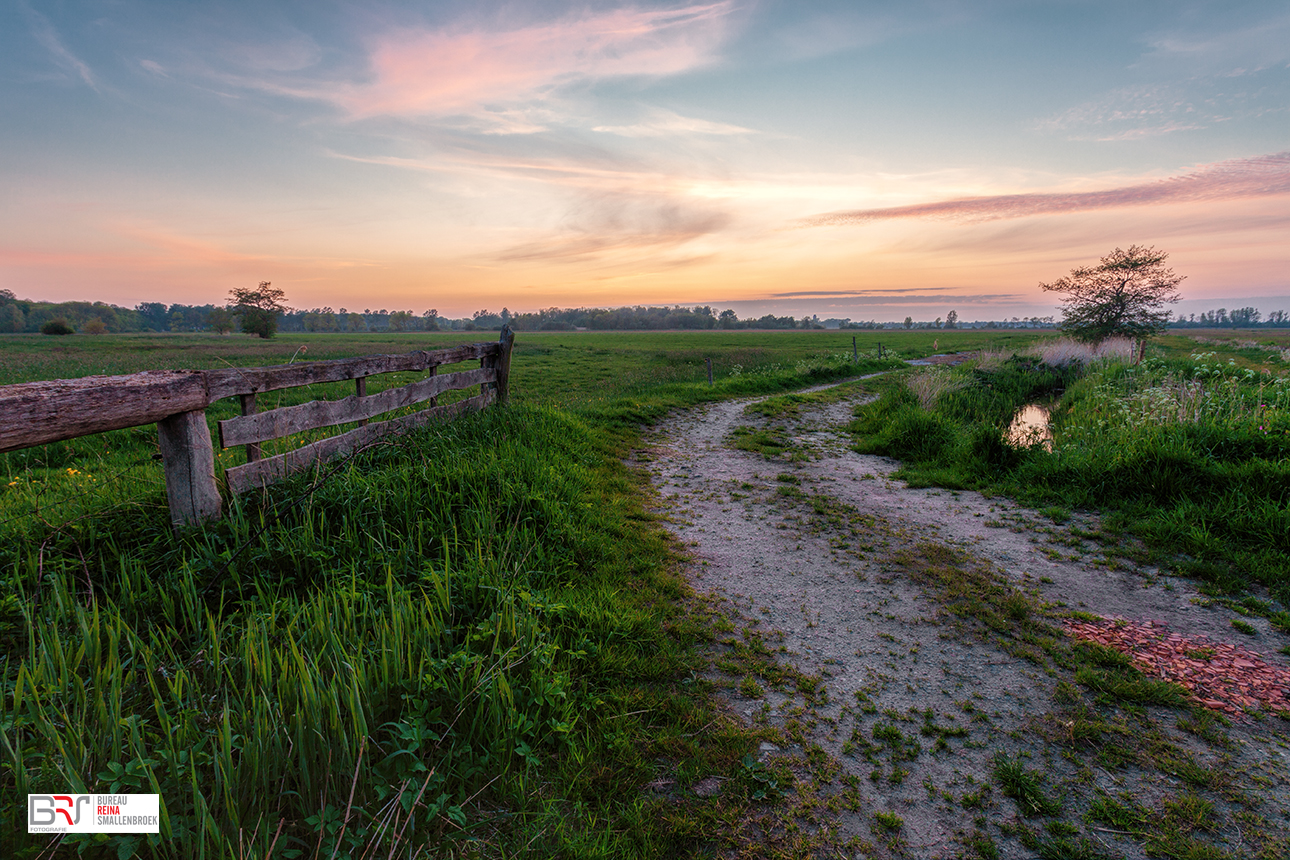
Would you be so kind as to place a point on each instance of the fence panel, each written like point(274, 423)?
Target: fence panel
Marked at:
point(36, 413)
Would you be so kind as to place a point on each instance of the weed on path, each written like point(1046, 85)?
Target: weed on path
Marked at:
point(910, 644)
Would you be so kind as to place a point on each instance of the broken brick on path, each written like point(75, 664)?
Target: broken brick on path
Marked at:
point(1228, 678)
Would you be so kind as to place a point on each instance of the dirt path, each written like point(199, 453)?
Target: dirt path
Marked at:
point(814, 552)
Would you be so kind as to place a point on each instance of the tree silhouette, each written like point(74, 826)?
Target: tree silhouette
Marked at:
point(1124, 295)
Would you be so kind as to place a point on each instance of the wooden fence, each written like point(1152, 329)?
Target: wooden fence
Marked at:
point(36, 413)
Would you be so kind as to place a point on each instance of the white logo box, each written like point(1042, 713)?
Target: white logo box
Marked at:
point(93, 813)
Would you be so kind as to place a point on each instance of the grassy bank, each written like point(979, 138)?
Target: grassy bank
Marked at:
point(470, 640)
point(1188, 451)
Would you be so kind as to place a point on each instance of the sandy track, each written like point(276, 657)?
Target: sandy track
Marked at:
point(831, 595)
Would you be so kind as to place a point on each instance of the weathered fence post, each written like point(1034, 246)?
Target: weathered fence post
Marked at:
point(507, 340)
point(189, 460)
point(855, 352)
point(360, 390)
point(248, 408)
point(709, 371)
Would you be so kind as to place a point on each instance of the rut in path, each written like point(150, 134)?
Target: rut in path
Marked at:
point(919, 702)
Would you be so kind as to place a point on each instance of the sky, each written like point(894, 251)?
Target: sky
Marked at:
point(850, 159)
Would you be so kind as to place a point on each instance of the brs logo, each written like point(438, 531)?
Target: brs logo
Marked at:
point(43, 810)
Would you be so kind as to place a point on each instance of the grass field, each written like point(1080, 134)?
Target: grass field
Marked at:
point(474, 640)
point(469, 641)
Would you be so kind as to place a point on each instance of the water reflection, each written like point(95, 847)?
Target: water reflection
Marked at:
point(1030, 427)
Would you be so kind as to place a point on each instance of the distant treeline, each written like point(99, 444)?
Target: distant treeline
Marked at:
point(24, 315)
point(1239, 318)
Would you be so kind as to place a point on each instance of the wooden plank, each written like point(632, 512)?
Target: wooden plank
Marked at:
point(189, 460)
point(277, 423)
point(244, 380)
point(34, 413)
point(271, 469)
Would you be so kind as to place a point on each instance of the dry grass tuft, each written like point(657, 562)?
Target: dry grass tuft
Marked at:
point(1064, 352)
point(993, 359)
point(930, 384)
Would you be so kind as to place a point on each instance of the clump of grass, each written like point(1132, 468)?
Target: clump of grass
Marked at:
point(1024, 786)
point(929, 385)
point(887, 822)
point(992, 359)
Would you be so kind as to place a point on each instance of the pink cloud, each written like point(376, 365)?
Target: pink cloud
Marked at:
point(448, 73)
point(1227, 180)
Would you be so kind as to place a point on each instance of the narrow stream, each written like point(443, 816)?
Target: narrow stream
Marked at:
point(1030, 426)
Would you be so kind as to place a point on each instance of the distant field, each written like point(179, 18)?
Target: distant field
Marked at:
point(25, 358)
point(567, 370)
point(560, 368)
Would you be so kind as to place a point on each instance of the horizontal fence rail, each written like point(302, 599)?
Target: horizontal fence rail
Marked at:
point(36, 413)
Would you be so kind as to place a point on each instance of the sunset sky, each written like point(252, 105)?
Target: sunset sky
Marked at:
point(849, 159)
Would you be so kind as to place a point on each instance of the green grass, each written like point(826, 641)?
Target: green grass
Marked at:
point(470, 638)
point(1024, 786)
point(1189, 455)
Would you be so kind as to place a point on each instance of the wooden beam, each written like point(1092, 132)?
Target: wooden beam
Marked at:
point(277, 423)
point(266, 471)
point(189, 462)
point(244, 380)
point(35, 413)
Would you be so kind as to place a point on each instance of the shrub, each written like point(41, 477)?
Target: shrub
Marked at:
point(94, 326)
point(57, 325)
point(916, 435)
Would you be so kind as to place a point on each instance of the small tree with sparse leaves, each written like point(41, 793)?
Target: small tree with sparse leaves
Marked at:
point(1123, 296)
point(257, 310)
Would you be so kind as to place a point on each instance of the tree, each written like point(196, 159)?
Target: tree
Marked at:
point(221, 320)
point(1122, 296)
point(400, 320)
point(11, 318)
point(952, 319)
point(257, 310)
point(909, 322)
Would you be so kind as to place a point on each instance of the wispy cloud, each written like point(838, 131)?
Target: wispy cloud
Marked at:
point(884, 298)
point(47, 37)
point(663, 123)
point(621, 225)
point(453, 72)
point(1227, 180)
point(895, 291)
point(1226, 50)
point(1190, 79)
point(1153, 110)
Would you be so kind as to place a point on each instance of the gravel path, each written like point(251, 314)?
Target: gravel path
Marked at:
point(823, 581)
